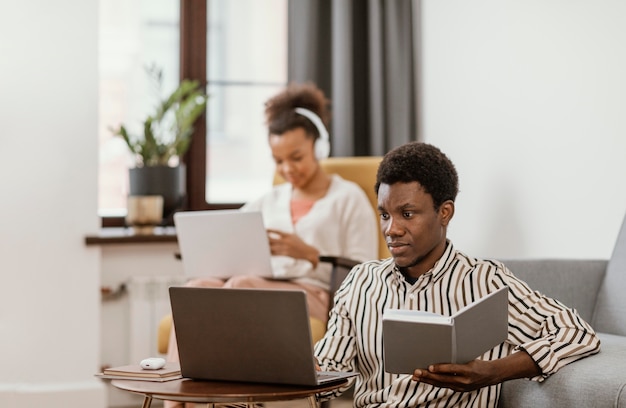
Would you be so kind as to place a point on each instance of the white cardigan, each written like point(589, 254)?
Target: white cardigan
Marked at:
point(342, 223)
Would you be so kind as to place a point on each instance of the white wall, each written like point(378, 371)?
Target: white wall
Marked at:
point(129, 320)
point(527, 97)
point(49, 296)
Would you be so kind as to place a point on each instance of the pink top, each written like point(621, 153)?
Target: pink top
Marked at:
point(300, 208)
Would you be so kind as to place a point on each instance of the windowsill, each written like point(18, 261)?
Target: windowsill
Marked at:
point(124, 235)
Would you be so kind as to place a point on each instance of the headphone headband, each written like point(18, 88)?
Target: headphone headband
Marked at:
point(316, 120)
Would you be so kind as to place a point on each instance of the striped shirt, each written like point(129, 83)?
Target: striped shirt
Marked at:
point(552, 334)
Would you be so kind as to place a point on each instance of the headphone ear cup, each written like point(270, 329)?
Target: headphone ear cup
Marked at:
point(322, 148)
point(321, 145)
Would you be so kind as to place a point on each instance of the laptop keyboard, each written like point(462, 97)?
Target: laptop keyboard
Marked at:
point(325, 374)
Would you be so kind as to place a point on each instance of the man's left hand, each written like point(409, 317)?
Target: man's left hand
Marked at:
point(478, 373)
point(458, 377)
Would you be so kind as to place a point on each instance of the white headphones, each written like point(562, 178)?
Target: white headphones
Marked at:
point(322, 143)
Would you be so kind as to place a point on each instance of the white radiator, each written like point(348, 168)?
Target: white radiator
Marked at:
point(148, 303)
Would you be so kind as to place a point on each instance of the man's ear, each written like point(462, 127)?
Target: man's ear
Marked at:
point(446, 212)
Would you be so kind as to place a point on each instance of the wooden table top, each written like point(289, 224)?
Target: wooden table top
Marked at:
point(188, 390)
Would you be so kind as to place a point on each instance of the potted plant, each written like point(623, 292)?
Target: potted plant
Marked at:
point(166, 137)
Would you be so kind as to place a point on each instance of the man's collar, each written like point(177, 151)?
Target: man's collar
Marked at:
point(442, 263)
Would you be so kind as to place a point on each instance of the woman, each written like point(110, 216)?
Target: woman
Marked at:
point(309, 215)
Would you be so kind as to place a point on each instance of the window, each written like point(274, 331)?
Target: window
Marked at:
point(243, 59)
point(133, 35)
point(246, 64)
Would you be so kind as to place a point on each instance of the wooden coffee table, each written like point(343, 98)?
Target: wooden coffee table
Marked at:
point(220, 392)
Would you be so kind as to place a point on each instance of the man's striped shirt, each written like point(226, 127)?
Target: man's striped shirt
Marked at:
point(553, 334)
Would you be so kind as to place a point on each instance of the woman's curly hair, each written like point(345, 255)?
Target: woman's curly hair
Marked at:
point(280, 116)
point(424, 163)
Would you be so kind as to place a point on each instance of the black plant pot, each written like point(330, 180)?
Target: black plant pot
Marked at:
point(165, 181)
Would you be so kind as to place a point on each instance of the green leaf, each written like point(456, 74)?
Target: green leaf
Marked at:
point(167, 132)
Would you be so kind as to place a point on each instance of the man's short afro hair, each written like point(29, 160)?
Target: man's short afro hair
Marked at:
point(424, 163)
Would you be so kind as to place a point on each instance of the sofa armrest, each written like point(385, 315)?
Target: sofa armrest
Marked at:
point(595, 381)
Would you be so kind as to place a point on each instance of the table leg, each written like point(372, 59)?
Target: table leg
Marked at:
point(312, 401)
point(147, 401)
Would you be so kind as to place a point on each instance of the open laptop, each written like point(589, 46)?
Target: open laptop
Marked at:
point(250, 335)
point(223, 243)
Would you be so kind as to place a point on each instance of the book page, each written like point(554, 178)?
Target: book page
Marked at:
point(408, 346)
point(415, 316)
point(415, 339)
point(487, 317)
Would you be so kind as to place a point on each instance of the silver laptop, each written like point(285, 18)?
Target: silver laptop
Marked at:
point(250, 335)
point(223, 243)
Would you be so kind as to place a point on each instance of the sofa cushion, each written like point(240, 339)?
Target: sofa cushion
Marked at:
point(595, 381)
point(573, 282)
point(610, 311)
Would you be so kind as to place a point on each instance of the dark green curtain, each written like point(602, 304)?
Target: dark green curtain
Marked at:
point(364, 54)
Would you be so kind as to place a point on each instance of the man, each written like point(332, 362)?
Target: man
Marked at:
point(416, 187)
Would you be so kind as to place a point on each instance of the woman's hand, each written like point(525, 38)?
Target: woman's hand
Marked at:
point(284, 243)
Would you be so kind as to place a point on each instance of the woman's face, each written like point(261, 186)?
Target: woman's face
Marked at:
point(294, 156)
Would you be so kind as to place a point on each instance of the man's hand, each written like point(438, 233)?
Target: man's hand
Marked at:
point(459, 377)
point(478, 373)
point(284, 243)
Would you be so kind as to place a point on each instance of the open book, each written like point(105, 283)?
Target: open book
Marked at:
point(416, 339)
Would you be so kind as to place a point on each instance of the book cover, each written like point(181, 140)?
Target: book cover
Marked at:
point(135, 371)
point(135, 378)
point(416, 339)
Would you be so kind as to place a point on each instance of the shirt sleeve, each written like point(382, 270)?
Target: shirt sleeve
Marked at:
point(336, 351)
point(553, 334)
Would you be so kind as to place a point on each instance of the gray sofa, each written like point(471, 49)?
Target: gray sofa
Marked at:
point(597, 289)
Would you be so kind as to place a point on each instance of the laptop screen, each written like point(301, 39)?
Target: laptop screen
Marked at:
point(223, 243)
point(254, 335)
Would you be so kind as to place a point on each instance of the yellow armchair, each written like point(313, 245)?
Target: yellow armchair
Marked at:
point(361, 170)
point(163, 333)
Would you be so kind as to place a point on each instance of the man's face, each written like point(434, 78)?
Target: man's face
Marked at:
point(414, 231)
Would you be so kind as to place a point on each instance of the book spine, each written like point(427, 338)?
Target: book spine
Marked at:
point(454, 344)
